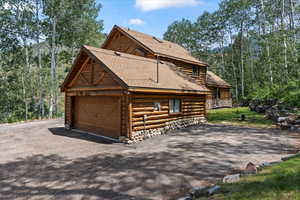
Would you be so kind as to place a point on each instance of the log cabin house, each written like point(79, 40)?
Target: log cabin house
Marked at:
point(133, 87)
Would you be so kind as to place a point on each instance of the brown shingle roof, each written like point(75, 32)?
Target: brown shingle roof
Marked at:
point(136, 71)
point(215, 81)
point(162, 47)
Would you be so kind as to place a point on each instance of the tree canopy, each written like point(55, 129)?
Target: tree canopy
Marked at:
point(39, 40)
point(254, 45)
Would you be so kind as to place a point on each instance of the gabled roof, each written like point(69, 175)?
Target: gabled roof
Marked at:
point(215, 81)
point(158, 47)
point(140, 72)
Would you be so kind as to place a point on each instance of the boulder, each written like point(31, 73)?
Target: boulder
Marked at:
point(185, 198)
point(232, 178)
point(281, 119)
point(250, 168)
point(213, 189)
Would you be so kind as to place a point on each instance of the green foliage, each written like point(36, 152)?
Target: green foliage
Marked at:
point(289, 94)
point(27, 40)
point(253, 45)
point(232, 116)
point(279, 182)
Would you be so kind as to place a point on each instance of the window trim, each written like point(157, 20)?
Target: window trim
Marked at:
point(180, 106)
point(197, 71)
point(159, 106)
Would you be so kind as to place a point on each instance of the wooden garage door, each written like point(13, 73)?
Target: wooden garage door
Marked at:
point(100, 115)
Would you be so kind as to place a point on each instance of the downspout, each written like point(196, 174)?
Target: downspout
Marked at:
point(157, 69)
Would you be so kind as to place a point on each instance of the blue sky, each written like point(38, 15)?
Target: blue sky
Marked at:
point(151, 16)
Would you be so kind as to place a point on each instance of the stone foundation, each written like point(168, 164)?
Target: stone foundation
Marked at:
point(67, 127)
point(172, 125)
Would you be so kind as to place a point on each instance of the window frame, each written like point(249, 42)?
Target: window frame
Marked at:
point(195, 71)
point(217, 93)
point(172, 103)
point(157, 108)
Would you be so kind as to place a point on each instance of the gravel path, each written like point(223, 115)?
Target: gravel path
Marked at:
point(40, 160)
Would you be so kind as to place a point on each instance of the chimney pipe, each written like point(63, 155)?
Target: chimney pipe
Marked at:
point(157, 70)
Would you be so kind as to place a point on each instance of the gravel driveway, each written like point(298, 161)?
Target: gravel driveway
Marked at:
point(40, 160)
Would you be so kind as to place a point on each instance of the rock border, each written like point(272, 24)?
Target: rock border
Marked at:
point(232, 178)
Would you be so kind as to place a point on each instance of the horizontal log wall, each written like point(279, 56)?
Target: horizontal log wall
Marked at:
point(68, 111)
point(187, 69)
point(192, 106)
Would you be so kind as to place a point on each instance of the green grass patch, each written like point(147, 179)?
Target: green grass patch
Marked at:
point(278, 182)
point(232, 116)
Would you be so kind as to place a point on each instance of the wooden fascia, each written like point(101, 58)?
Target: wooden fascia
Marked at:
point(79, 72)
point(166, 91)
point(182, 60)
point(63, 86)
point(113, 75)
point(117, 28)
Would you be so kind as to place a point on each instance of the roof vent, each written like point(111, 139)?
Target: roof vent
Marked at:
point(117, 53)
point(158, 40)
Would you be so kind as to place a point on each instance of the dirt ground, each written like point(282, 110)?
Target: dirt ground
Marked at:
point(40, 160)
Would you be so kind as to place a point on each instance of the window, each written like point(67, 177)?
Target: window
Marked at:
point(195, 71)
point(217, 93)
point(156, 106)
point(175, 105)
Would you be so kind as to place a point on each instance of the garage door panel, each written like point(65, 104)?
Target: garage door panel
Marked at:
point(100, 115)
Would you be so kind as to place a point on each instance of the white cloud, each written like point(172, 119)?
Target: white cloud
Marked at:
point(136, 21)
point(148, 5)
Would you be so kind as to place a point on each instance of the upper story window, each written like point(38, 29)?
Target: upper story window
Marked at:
point(175, 105)
point(195, 71)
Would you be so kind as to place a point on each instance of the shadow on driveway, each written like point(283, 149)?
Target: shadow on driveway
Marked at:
point(61, 131)
point(162, 167)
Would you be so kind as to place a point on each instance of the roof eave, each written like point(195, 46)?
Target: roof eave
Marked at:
point(165, 90)
point(220, 86)
point(181, 59)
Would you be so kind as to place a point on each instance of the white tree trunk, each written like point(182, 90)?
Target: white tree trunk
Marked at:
point(41, 101)
point(242, 60)
point(263, 26)
point(233, 68)
point(284, 40)
point(53, 69)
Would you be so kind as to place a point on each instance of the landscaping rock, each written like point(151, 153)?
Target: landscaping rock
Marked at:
point(177, 124)
point(213, 189)
point(287, 157)
point(185, 198)
point(281, 119)
point(250, 168)
point(261, 106)
point(265, 164)
point(196, 189)
point(232, 178)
